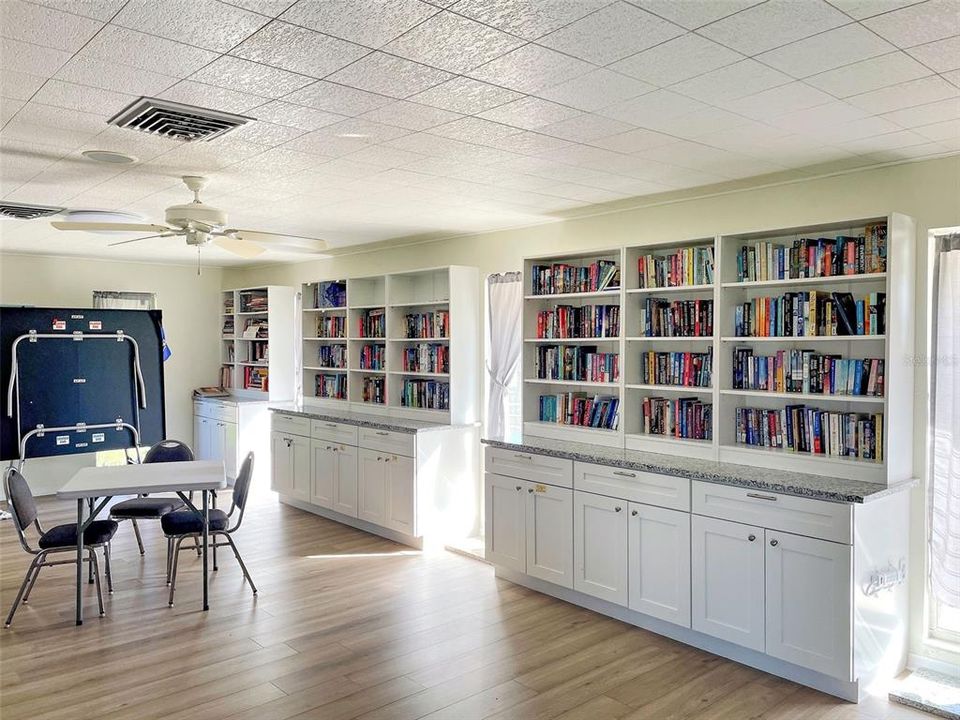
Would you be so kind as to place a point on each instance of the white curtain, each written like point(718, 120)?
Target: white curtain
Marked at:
point(945, 483)
point(504, 315)
point(110, 300)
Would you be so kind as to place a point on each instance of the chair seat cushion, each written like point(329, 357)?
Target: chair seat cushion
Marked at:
point(97, 533)
point(148, 507)
point(186, 522)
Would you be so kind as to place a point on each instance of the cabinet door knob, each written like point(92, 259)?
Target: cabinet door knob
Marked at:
point(774, 543)
point(621, 473)
point(519, 488)
point(382, 433)
point(751, 537)
point(329, 448)
point(635, 513)
point(530, 490)
point(379, 459)
point(617, 509)
point(521, 456)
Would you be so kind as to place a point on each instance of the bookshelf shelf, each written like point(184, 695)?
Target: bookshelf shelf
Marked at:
point(677, 339)
point(574, 383)
point(805, 339)
point(677, 289)
point(612, 293)
point(572, 341)
point(802, 282)
point(680, 389)
point(410, 373)
point(318, 368)
point(806, 397)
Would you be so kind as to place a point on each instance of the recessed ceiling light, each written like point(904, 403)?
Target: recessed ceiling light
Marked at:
point(352, 135)
point(109, 157)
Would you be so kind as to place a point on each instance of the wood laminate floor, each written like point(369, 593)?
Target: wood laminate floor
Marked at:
point(348, 625)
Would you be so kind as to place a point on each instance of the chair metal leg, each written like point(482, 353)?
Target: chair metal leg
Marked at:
point(173, 573)
point(33, 578)
point(108, 571)
point(214, 547)
point(23, 586)
point(136, 531)
point(196, 544)
point(169, 558)
point(243, 567)
point(96, 574)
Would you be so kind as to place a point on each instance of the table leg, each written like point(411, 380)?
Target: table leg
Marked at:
point(206, 544)
point(79, 561)
point(90, 504)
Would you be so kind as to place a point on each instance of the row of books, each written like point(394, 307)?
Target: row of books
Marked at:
point(820, 257)
point(811, 314)
point(806, 371)
point(253, 301)
point(685, 418)
point(332, 356)
point(425, 394)
point(228, 330)
point(332, 326)
point(373, 390)
point(228, 306)
point(255, 378)
point(563, 278)
point(231, 353)
point(372, 323)
point(588, 321)
point(330, 294)
point(226, 376)
point(256, 328)
point(428, 325)
point(811, 430)
point(426, 358)
point(332, 386)
point(258, 352)
point(581, 363)
point(686, 369)
point(677, 318)
point(599, 411)
point(687, 266)
point(373, 357)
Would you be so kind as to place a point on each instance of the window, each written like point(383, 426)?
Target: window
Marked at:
point(504, 302)
point(110, 300)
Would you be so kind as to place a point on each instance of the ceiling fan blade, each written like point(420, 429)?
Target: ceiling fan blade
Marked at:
point(308, 244)
point(113, 227)
point(238, 246)
point(145, 237)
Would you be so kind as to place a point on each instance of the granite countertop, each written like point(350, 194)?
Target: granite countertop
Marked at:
point(818, 487)
point(371, 420)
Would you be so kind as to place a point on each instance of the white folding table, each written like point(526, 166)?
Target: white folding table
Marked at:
point(104, 483)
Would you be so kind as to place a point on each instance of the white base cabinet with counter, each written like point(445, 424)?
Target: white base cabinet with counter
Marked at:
point(226, 429)
point(779, 582)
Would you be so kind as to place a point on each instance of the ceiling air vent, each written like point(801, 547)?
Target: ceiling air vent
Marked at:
point(175, 120)
point(27, 212)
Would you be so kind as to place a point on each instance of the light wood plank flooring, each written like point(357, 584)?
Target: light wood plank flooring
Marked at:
point(348, 625)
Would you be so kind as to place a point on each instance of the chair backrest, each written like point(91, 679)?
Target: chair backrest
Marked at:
point(241, 486)
point(169, 451)
point(21, 504)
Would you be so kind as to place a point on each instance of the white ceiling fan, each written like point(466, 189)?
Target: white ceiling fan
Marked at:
point(201, 225)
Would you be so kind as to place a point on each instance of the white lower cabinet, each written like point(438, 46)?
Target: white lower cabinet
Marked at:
point(809, 603)
point(323, 470)
point(345, 482)
point(549, 533)
point(290, 465)
point(371, 487)
point(727, 581)
point(658, 552)
point(505, 518)
point(600, 546)
point(401, 494)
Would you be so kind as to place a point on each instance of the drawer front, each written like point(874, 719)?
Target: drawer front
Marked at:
point(333, 432)
point(634, 485)
point(204, 409)
point(527, 466)
point(802, 516)
point(225, 412)
point(291, 424)
point(387, 441)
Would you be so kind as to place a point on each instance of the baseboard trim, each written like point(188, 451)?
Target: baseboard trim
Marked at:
point(357, 523)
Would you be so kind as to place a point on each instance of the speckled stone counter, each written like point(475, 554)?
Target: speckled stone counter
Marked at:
point(792, 483)
point(371, 420)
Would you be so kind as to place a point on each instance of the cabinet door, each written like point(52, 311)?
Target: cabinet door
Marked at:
point(203, 438)
point(345, 484)
point(323, 469)
point(372, 487)
point(230, 451)
point(727, 581)
point(600, 546)
point(505, 521)
point(549, 533)
point(197, 436)
point(217, 440)
point(808, 603)
point(300, 476)
point(281, 463)
point(659, 563)
point(401, 494)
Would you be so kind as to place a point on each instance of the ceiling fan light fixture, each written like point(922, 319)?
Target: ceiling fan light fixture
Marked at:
point(108, 157)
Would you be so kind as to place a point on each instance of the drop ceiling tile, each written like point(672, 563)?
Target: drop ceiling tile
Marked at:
point(389, 75)
point(582, 193)
point(940, 56)
point(675, 60)
point(692, 14)
point(910, 152)
point(384, 157)
point(940, 111)
point(774, 23)
point(273, 8)
point(530, 113)
point(453, 43)
point(85, 70)
point(634, 141)
point(597, 89)
point(752, 138)
point(948, 130)
point(888, 141)
point(854, 130)
point(15, 85)
point(820, 116)
point(531, 68)
point(531, 143)
point(298, 49)
point(653, 108)
point(214, 98)
point(295, 116)
point(475, 130)
point(909, 94)
point(952, 77)
point(611, 33)
point(731, 82)
point(45, 26)
point(584, 128)
point(8, 108)
point(778, 100)
point(367, 130)
point(32, 59)
point(467, 96)
point(869, 75)
point(410, 115)
point(692, 125)
point(101, 10)
point(860, 9)
point(373, 23)
point(246, 76)
point(80, 97)
point(918, 24)
point(57, 127)
point(341, 99)
point(204, 23)
point(528, 19)
point(266, 133)
point(427, 144)
point(147, 52)
point(826, 51)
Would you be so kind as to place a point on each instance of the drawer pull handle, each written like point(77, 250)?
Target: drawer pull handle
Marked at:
point(621, 473)
point(751, 537)
point(521, 456)
point(530, 490)
point(519, 488)
point(329, 448)
point(635, 513)
point(382, 433)
point(774, 543)
point(333, 425)
point(758, 496)
point(617, 509)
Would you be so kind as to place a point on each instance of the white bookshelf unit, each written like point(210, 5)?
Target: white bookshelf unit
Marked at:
point(379, 361)
point(726, 292)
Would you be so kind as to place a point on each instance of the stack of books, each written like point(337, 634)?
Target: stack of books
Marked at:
point(677, 318)
point(682, 418)
point(685, 369)
point(258, 352)
point(256, 328)
point(425, 394)
point(426, 358)
point(428, 325)
point(255, 378)
point(332, 326)
point(599, 411)
point(372, 323)
point(805, 429)
point(811, 314)
point(332, 356)
point(253, 301)
point(373, 357)
point(562, 278)
point(332, 386)
point(806, 371)
point(687, 266)
point(569, 321)
point(228, 328)
point(581, 363)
